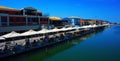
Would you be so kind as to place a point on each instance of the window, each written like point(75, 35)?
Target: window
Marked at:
point(3, 19)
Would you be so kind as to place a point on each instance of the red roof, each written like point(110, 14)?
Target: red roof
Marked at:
point(82, 20)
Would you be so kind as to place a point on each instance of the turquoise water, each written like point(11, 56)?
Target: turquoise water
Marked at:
point(100, 46)
point(104, 46)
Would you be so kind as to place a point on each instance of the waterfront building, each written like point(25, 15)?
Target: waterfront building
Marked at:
point(75, 20)
point(55, 21)
point(66, 22)
point(90, 22)
point(105, 22)
point(21, 20)
point(83, 22)
point(99, 22)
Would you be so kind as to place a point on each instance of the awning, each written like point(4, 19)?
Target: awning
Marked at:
point(55, 18)
point(6, 8)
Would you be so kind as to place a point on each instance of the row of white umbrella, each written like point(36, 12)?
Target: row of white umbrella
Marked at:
point(31, 32)
point(43, 31)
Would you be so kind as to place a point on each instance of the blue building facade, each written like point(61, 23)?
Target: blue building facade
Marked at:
point(67, 21)
point(72, 21)
point(75, 21)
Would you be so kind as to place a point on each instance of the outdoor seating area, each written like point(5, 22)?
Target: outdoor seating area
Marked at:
point(14, 43)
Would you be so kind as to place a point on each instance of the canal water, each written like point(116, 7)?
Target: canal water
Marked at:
point(98, 46)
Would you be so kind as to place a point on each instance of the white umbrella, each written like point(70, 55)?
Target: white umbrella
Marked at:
point(70, 28)
point(54, 30)
point(94, 26)
point(80, 27)
point(76, 27)
point(1, 38)
point(62, 29)
point(11, 35)
point(88, 26)
point(43, 31)
point(30, 32)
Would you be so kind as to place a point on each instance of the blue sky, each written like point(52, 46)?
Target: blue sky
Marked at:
point(88, 9)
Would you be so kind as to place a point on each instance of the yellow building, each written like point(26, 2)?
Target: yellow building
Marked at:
point(56, 21)
point(91, 22)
